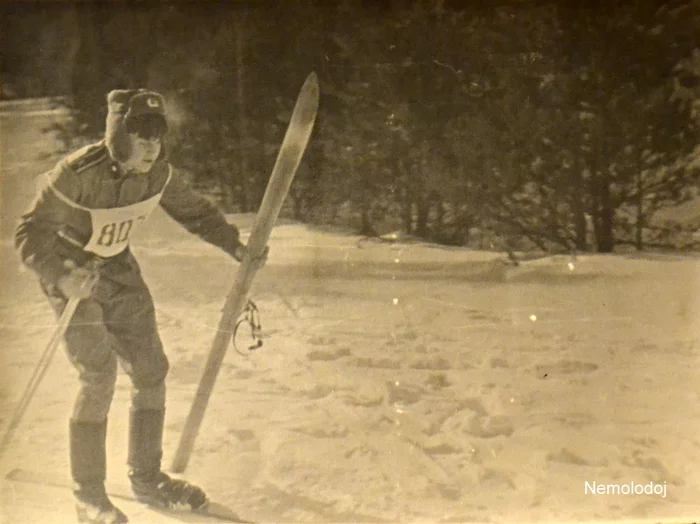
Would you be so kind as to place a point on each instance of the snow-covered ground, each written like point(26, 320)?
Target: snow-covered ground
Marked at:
point(398, 382)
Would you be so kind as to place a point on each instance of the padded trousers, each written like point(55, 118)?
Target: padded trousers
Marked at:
point(116, 324)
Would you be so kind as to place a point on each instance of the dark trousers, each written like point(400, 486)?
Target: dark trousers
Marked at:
point(116, 324)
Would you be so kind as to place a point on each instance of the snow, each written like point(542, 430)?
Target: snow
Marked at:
point(398, 382)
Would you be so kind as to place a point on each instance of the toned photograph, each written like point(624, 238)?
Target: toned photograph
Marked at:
point(350, 261)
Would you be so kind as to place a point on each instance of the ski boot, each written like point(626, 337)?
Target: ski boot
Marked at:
point(148, 482)
point(161, 490)
point(94, 507)
point(88, 465)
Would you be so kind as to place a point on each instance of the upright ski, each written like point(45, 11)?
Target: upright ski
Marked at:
point(288, 160)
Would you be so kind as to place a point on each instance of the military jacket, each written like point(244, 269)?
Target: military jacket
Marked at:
point(87, 208)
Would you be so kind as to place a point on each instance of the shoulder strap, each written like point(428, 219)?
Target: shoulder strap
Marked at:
point(87, 157)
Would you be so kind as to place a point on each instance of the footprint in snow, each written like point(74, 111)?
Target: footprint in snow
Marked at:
point(657, 470)
point(328, 354)
point(568, 457)
point(320, 340)
point(399, 393)
point(377, 363)
point(319, 391)
point(496, 477)
point(498, 363)
point(489, 426)
point(474, 404)
point(576, 420)
point(564, 367)
point(431, 363)
point(437, 381)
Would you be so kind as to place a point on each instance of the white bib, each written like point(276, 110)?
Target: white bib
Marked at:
point(112, 228)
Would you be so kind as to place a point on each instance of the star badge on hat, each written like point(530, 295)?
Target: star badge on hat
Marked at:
point(146, 102)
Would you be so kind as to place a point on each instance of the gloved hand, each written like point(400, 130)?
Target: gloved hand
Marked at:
point(242, 252)
point(78, 283)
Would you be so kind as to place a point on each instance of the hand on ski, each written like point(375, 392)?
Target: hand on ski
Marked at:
point(78, 283)
point(258, 262)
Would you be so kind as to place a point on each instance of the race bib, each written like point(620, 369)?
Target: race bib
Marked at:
point(112, 228)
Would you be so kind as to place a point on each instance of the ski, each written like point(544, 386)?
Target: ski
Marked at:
point(212, 511)
point(288, 159)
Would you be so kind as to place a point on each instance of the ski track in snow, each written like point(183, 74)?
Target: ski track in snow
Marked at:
point(397, 383)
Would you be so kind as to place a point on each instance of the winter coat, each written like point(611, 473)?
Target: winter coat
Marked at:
point(88, 188)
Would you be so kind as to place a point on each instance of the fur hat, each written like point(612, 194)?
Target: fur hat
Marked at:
point(125, 106)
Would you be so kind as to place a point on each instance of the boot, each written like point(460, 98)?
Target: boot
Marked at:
point(151, 485)
point(88, 469)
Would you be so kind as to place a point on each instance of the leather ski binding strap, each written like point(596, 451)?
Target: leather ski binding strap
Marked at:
point(251, 316)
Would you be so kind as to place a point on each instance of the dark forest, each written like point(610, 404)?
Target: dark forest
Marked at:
point(556, 126)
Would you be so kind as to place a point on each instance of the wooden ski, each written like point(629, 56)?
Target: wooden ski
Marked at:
point(211, 511)
point(288, 159)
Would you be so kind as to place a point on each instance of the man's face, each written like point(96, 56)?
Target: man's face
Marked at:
point(144, 153)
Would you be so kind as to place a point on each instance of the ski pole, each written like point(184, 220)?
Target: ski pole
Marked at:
point(42, 366)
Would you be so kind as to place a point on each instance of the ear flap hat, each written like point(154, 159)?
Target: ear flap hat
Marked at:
point(138, 111)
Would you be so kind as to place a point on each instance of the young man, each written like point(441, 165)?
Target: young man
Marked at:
point(76, 238)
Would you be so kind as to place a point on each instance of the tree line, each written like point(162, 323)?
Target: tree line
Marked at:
point(548, 125)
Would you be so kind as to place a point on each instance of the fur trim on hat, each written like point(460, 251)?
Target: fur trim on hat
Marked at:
point(115, 132)
point(118, 106)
